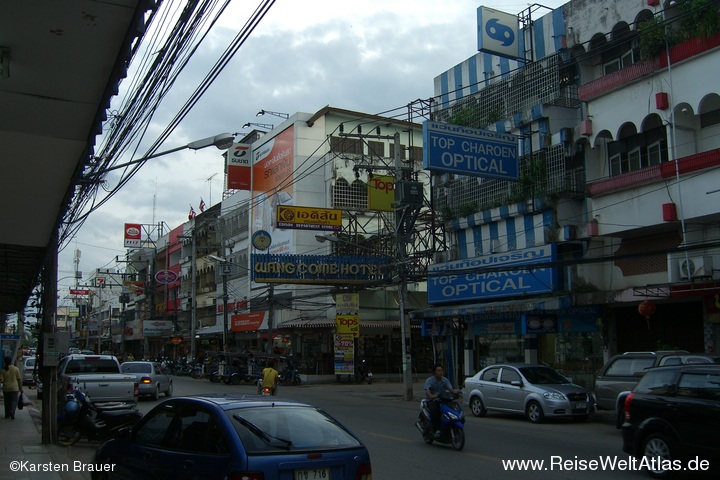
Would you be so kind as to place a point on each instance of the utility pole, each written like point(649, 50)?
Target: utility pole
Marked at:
point(408, 200)
point(271, 315)
point(401, 240)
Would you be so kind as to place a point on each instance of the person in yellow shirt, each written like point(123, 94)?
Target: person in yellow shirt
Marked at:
point(12, 387)
point(269, 377)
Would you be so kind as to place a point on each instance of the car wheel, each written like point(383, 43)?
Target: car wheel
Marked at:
point(477, 408)
point(235, 380)
point(657, 445)
point(534, 412)
point(169, 391)
point(156, 394)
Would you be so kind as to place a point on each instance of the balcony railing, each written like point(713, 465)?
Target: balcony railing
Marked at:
point(678, 53)
point(656, 173)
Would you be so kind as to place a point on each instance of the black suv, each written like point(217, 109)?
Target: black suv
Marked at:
point(674, 414)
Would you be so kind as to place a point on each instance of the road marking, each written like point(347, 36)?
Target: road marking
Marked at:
point(390, 437)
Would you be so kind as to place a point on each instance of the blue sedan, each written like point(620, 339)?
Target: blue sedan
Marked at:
point(234, 437)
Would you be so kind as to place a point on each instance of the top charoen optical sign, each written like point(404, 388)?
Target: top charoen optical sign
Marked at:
point(470, 151)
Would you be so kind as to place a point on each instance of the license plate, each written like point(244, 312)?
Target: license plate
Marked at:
point(581, 405)
point(313, 474)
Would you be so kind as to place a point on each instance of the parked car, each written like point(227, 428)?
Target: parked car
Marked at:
point(674, 413)
point(621, 374)
point(151, 378)
point(534, 390)
point(234, 436)
point(27, 370)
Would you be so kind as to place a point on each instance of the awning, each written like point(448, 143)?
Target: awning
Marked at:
point(519, 306)
point(211, 330)
point(324, 323)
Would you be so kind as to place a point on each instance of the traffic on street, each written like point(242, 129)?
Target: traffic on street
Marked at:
point(498, 446)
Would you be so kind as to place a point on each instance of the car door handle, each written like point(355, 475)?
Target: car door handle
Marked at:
point(147, 455)
point(188, 464)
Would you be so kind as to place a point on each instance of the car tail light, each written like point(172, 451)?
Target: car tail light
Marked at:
point(364, 472)
point(136, 391)
point(628, 399)
point(246, 476)
point(146, 380)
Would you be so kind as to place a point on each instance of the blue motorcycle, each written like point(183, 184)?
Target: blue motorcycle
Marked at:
point(452, 420)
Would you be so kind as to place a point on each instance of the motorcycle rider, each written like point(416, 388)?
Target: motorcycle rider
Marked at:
point(437, 387)
point(269, 377)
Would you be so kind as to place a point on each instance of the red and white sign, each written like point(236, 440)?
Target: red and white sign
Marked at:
point(133, 235)
point(78, 291)
point(238, 167)
point(248, 322)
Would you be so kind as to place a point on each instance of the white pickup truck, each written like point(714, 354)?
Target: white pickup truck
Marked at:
point(99, 376)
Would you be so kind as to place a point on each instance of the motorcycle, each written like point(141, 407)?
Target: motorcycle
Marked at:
point(363, 373)
point(81, 417)
point(452, 420)
point(291, 376)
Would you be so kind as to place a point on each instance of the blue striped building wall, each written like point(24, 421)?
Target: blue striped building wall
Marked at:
point(502, 229)
point(479, 70)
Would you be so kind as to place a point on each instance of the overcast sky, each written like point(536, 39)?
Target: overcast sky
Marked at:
point(370, 56)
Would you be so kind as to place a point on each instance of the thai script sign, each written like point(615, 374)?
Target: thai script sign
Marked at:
point(309, 218)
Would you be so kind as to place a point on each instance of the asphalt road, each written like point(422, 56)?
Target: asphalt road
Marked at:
point(385, 422)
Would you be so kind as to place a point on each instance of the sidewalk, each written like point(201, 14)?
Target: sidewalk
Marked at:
point(22, 448)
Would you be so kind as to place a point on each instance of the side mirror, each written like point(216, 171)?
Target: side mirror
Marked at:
point(516, 383)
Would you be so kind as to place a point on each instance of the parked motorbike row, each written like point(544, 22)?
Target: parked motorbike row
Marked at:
point(80, 417)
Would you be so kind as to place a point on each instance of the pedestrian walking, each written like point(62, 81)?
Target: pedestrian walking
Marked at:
point(12, 387)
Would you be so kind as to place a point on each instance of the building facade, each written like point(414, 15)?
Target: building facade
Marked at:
point(613, 201)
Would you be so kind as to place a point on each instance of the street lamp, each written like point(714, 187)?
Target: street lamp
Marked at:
point(269, 126)
point(222, 141)
point(277, 114)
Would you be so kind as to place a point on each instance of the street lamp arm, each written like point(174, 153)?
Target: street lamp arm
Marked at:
point(277, 114)
point(222, 141)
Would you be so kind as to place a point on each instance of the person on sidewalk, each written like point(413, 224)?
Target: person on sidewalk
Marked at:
point(12, 387)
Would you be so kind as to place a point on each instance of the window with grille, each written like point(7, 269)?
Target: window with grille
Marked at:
point(350, 196)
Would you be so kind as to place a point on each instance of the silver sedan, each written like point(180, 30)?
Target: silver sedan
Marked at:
point(536, 391)
point(151, 377)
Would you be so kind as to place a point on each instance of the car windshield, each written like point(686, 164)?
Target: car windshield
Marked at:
point(135, 368)
point(542, 375)
point(267, 428)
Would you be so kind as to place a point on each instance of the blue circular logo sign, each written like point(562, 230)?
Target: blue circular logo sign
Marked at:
point(261, 240)
point(166, 276)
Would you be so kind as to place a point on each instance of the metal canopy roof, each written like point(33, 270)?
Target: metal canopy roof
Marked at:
point(62, 65)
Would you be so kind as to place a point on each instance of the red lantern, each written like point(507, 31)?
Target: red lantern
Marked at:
point(646, 309)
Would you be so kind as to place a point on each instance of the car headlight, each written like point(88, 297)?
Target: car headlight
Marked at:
point(554, 396)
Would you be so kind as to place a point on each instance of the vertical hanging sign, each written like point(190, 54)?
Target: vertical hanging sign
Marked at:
point(238, 167)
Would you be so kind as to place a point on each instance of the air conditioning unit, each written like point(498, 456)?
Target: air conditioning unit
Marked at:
point(695, 267)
